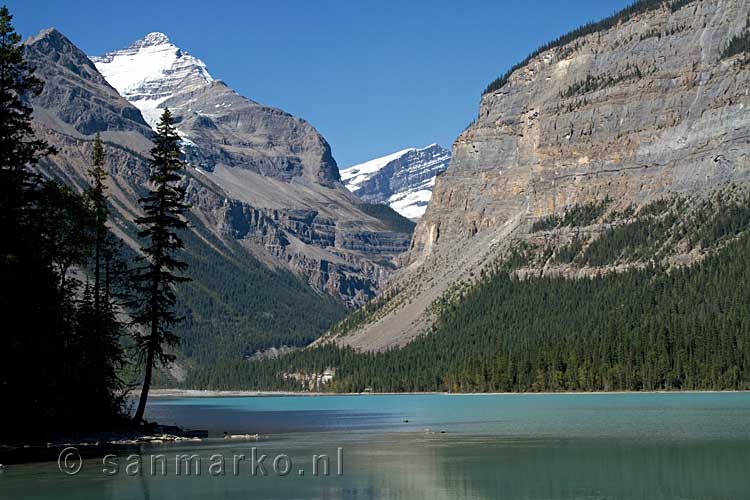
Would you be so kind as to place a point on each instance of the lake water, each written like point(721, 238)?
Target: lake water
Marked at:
point(586, 446)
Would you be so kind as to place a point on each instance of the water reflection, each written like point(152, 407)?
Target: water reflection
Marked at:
point(537, 448)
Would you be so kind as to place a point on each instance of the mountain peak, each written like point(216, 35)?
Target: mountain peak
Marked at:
point(150, 71)
point(153, 38)
point(45, 33)
point(51, 42)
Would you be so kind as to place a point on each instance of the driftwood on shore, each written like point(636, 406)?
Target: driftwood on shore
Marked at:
point(163, 438)
point(95, 443)
point(245, 437)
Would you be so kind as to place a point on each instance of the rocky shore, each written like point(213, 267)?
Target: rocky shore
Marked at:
point(47, 447)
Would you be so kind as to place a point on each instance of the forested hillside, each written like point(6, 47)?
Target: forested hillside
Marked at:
point(646, 104)
point(651, 326)
point(228, 315)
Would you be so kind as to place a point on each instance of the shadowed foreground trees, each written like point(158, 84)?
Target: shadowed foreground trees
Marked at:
point(62, 275)
point(60, 344)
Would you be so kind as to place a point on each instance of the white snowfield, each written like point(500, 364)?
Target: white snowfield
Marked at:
point(150, 71)
point(357, 174)
point(412, 204)
point(403, 180)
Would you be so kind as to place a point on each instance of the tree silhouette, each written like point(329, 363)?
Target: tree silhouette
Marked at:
point(163, 208)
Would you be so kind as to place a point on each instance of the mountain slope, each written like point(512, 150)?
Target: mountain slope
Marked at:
point(150, 71)
point(640, 329)
point(236, 303)
point(219, 126)
point(278, 247)
point(642, 105)
point(402, 180)
point(282, 196)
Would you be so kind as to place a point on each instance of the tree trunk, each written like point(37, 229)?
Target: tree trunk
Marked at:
point(152, 343)
point(97, 284)
point(146, 384)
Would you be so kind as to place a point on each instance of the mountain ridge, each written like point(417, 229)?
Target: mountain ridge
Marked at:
point(277, 169)
point(631, 110)
point(271, 220)
point(402, 180)
point(150, 71)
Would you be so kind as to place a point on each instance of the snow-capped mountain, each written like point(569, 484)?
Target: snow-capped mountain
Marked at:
point(402, 180)
point(260, 178)
point(150, 71)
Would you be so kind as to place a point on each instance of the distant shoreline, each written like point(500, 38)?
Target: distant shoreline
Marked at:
point(202, 393)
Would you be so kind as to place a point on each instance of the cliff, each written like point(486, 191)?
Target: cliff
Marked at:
point(643, 106)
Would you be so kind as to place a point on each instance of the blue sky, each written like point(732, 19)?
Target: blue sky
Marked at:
point(372, 76)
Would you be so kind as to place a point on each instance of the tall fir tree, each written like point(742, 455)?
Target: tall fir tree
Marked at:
point(164, 209)
point(98, 200)
point(98, 323)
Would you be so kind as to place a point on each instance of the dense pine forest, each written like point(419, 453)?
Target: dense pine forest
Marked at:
point(221, 306)
point(650, 327)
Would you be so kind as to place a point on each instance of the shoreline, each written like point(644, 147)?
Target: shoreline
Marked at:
point(208, 393)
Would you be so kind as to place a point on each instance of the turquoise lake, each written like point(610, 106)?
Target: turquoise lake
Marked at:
point(579, 446)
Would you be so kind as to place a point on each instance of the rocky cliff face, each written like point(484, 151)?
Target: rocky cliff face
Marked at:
point(76, 92)
point(402, 180)
point(258, 176)
point(635, 111)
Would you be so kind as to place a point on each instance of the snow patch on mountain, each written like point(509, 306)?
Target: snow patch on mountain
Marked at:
point(402, 180)
point(356, 175)
point(150, 71)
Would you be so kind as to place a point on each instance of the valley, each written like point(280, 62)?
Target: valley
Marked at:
point(267, 203)
point(614, 155)
point(551, 302)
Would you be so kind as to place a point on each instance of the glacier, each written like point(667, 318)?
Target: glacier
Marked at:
point(401, 180)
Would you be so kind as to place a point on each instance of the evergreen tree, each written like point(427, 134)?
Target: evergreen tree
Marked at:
point(27, 282)
point(64, 223)
point(164, 208)
point(59, 357)
point(97, 319)
point(97, 197)
point(19, 147)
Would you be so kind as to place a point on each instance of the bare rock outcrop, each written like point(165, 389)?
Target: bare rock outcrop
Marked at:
point(642, 109)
